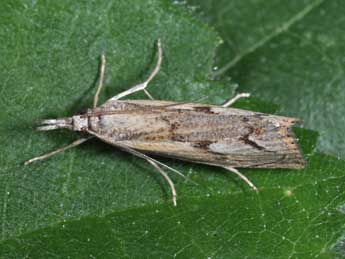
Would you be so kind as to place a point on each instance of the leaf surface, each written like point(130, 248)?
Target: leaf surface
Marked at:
point(95, 201)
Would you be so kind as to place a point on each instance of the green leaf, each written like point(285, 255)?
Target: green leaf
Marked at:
point(50, 60)
point(97, 202)
point(291, 53)
point(297, 214)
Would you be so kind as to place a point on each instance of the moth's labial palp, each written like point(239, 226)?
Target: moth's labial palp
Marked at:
point(52, 124)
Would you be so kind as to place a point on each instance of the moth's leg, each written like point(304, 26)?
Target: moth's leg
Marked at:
point(167, 178)
point(233, 100)
point(73, 144)
point(148, 94)
point(139, 154)
point(154, 163)
point(100, 84)
point(243, 177)
point(143, 85)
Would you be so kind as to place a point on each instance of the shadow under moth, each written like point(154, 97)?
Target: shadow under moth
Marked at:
point(207, 134)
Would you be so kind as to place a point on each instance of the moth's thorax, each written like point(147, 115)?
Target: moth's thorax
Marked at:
point(80, 122)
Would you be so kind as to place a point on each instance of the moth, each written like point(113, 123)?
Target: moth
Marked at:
point(207, 134)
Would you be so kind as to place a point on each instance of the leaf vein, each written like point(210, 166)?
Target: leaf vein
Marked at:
point(279, 30)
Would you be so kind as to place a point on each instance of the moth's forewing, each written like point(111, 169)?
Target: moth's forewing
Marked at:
point(199, 133)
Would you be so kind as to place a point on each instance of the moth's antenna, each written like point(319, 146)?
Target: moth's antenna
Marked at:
point(100, 84)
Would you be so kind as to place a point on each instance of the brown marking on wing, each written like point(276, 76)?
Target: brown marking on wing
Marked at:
point(204, 109)
point(245, 119)
point(174, 126)
point(165, 133)
point(252, 143)
point(203, 144)
point(259, 131)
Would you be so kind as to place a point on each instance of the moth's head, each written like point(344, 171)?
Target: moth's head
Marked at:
point(80, 122)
